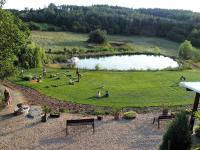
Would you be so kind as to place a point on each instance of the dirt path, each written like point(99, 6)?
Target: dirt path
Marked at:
point(36, 98)
point(16, 98)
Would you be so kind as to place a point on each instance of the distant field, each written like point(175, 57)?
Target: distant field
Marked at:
point(134, 89)
point(57, 41)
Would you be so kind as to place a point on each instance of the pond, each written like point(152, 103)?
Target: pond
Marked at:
point(127, 62)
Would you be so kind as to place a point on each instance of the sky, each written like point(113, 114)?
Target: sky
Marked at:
point(192, 5)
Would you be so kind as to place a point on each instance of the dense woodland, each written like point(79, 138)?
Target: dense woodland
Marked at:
point(176, 25)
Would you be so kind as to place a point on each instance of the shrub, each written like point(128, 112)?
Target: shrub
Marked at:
point(52, 75)
point(46, 109)
point(197, 131)
point(51, 29)
point(99, 112)
point(178, 134)
point(188, 111)
point(71, 82)
point(97, 67)
point(33, 26)
point(97, 36)
point(27, 77)
point(130, 115)
point(197, 115)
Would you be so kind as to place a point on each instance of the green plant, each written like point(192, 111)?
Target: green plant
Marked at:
point(46, 109)
point(197, 131)
point(52, 76)
point(97, 36)
point(27, 77)
point(97, 67)
point(188, 111)
point(130, 115)
point(71, 82)
point(165, 109)
point(99, 112)
point(178, 135)
point(197, 115)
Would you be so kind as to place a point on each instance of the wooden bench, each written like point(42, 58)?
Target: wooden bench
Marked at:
point(162, 117)
point(78, 122)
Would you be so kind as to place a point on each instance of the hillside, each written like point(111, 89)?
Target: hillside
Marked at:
point(57, 41)
point(175, 25)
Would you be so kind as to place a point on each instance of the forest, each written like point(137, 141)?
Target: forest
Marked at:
point(175, 25)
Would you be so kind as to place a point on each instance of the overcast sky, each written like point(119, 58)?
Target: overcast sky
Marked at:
point(169, 4)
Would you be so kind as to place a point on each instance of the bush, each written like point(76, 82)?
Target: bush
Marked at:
point(178, 134)
point(97, 67)
point(27, 77)
point(130, 115)
point(197, 131)
point(97, 36)
point(99, 112)
point(51, 29)
point(33, 26)
point(52, 75)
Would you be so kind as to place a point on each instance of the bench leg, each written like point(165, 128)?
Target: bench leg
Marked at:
point(158, 124)
point(93, 128)
point(154, 120)
point(67, 132)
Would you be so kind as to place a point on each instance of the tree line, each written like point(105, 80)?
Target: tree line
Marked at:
point(176, 25)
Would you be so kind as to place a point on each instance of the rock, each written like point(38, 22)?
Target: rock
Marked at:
point(34, 112)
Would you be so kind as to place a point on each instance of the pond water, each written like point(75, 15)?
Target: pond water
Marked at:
point(127, 62)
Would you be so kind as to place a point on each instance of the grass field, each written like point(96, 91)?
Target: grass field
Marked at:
point(127, 89)
point(57, 41)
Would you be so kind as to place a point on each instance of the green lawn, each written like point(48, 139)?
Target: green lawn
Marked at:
point(57, 41)
point(134, 89)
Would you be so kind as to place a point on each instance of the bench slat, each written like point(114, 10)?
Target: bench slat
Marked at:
point(78, 122)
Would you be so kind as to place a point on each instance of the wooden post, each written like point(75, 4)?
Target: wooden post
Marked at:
point(195, 106)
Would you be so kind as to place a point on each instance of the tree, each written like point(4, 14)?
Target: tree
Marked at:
point(186, 50)
point(31, 56)
point(178, 135)
point(97, 36)
point(13, 36)
point(2, 2)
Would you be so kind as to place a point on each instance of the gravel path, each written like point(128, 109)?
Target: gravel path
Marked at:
point(21, 133)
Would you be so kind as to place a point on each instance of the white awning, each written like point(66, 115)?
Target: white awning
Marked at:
point(193, 86)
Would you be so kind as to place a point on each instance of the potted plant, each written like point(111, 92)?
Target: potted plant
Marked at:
point(197, 129)
point(130, 115)
point(46, 110)
point(99, 117)
point(116, 113)
point(55, 114)
point(165, 110)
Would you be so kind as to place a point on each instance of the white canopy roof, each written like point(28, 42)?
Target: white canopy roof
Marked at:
point(194, 86)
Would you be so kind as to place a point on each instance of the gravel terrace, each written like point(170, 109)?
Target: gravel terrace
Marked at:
point(22, 133)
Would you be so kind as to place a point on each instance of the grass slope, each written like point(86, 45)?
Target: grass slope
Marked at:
point(57, 41)
point(134, 89)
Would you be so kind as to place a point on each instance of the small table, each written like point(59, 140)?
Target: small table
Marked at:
point(195, 87)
